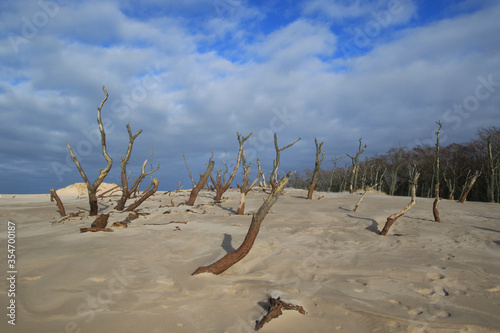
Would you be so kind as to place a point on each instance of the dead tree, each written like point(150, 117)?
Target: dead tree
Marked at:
point(363, 196)
point(335, 161)
point(469, 183)
point(123, 165)
point(262, 182)
point(203, 179)
point(391, 219)
point(492, 169)
point(220, 184)
point(276, 163)
point(53, 195)
point(355, 167)
point(189, 171)
point(92, 188)
point(135, 187)
point(435, 205)
point(146, 195)
point(244, 188)
point(317, 165)
point(233, 257)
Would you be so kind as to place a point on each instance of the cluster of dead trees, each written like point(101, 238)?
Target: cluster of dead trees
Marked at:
point(92, 187)
point(466, 171)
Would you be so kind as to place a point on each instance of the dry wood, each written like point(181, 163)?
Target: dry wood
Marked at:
point(355, 167)
point(92, 188)
point(96, 229)
point(53, 194)
point(110, 190)
point(171, 222)
point(244, 188)
point(101, 221)
point(145, 196)
point(469, 183)
point(435, 205)
point(276, 305)
point(70, 215)
point(232, 258)
point(391, 219)
point(203, 179)
point(317, 165)
point(221, 186)
point(276, 163)
point(363, 196)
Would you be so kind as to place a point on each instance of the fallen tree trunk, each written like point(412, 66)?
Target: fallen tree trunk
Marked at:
point(391, 219)
point(232, 258)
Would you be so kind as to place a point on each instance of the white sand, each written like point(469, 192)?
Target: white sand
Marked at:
point(438, 277)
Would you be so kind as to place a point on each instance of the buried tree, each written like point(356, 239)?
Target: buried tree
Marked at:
point(92, 188)
point(232, 258)
point(220, 183)
point(317, 165)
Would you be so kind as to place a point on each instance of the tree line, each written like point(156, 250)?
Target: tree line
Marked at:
point(461, 164)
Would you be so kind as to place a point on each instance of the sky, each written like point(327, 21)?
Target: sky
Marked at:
point(192, 74)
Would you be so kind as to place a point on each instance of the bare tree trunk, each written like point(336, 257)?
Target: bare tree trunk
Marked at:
point(92, 188)
point(435, 205)
point(492, 167)
point(468, 185)
point(232, 258)
point(220, 185)
point(201, 183)
point(123, 164)
point(355, 167)
point(317, 165)
point(276, 163)
point(53, 194)
point(262, 183)
point(391, 219)
point(244, 188)
point(144, 197)
point(363, 196)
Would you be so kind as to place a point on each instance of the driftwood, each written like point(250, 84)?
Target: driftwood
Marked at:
point(276, 305)
point(391, 219)
point(363, 196)
point(96, 229)
point(180, 222)
point(124, 224)
point(70, 215)
point(53, 195)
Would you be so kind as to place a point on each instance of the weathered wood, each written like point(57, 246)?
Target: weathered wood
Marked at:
point(144, 197)
point(317, 165)
point(355, 167)
point(276, 163)
point(92, 188)
point(53, 194)
point(435, 204)
point(232, 258)
point(470, 183)
point(244, 188)
point(101, 221)
point(96, 229)
point(276, 305)
point(391, 219)
point(203, 179)
point(221, 186)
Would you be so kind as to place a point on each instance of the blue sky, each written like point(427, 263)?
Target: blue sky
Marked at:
point(193, 73)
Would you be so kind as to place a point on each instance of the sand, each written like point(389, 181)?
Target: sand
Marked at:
point(436, 277)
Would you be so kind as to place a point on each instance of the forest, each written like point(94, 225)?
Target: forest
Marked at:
point(476, 162)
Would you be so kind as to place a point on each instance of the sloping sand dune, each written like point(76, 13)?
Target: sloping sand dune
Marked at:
point(436, 277)
point(81, 189)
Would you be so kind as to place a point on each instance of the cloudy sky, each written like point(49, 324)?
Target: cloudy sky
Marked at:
point(193, 73)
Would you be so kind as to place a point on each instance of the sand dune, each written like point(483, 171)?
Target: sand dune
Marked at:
point(319, 254)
